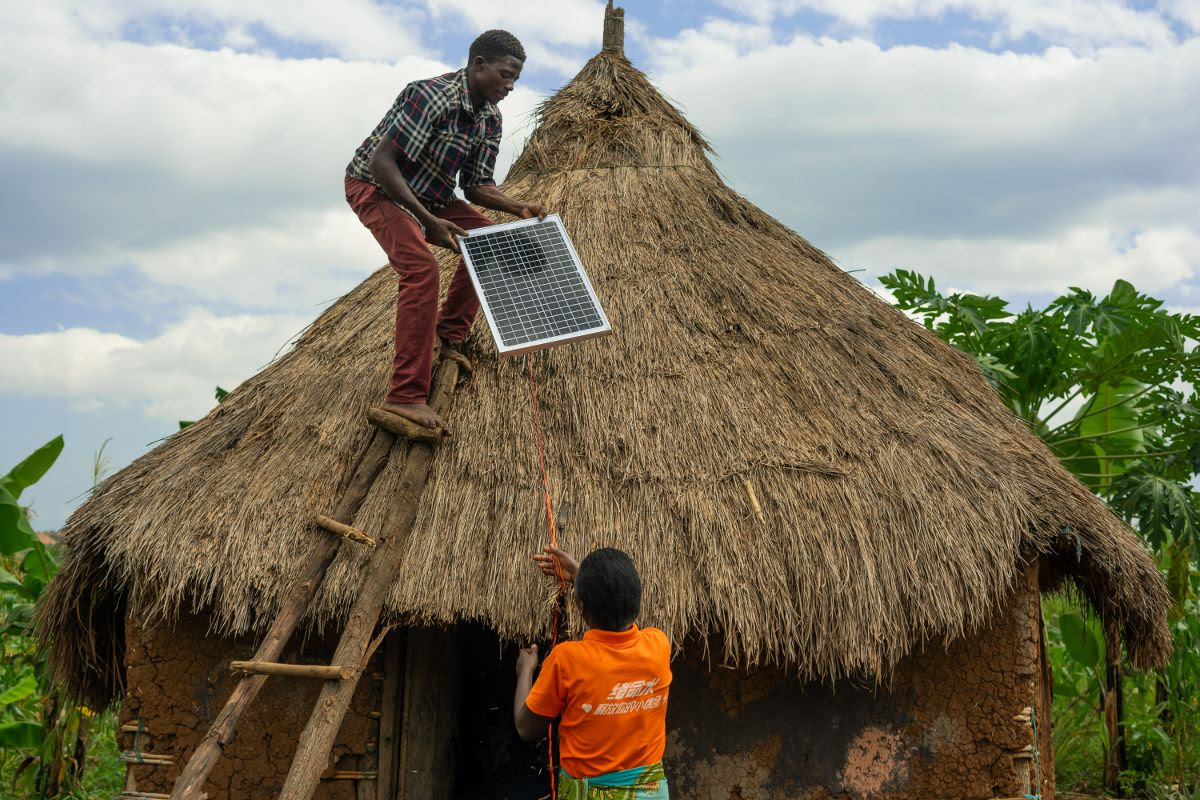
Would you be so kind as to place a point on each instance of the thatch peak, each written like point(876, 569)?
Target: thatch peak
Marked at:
point(611, 116)
point(614, 29)
point(899, 497)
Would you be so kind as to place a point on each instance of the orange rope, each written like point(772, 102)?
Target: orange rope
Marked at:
point(537, 428)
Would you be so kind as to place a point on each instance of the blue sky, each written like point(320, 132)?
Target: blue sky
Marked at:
point(171, 211)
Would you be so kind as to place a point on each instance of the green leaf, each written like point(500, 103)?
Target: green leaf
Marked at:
point(27, 473)
point(19, 691)
point(10, 583)
point(1164, 510)
point(16, 534)
point(1179, 579)
point(21, 735)
point(1109, 425)
point(221, 394)
point(1081, 642)
point(39, 567)
point(20, 617)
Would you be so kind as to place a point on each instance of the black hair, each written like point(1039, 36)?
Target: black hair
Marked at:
point(494, 45)
point(609, 589)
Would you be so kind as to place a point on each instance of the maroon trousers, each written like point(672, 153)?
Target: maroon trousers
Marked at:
point(417, 318)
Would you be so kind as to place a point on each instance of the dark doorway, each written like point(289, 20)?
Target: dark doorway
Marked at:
point(490, 759)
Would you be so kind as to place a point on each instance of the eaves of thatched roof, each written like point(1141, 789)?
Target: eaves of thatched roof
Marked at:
point(899, 497)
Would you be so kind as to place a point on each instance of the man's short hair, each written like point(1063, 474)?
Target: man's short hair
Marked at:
point(494, 45)
point(609, 589)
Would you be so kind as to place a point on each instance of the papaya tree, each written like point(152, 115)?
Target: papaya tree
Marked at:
point(1109, 384)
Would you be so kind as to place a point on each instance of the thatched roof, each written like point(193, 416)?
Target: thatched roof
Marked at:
point(900, 497)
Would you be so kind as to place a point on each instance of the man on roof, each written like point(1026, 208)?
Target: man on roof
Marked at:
point(438, 132)
point(608, 691)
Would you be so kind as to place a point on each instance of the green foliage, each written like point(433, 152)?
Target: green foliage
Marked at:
point(220, 394)
point(43, 737)
point(1109, 384)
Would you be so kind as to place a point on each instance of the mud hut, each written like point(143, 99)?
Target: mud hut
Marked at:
point(840, 525)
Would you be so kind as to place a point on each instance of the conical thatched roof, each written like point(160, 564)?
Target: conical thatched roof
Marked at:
point(899, 496)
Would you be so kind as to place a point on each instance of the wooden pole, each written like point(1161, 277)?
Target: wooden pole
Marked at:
point(1113, 695)
point(318, 671)
point(316, 742)
point(190, 783)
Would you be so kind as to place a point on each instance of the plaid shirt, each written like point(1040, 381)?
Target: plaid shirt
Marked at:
point(440, 135)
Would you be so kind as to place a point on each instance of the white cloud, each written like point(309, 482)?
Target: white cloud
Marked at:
point(555, 33)
point(170, 377)
point(1092, 258)
point(357, 29)
point(1184, 11)
point(1082, 24)
point(195, 164)
point(956, 145)
point(300, 260)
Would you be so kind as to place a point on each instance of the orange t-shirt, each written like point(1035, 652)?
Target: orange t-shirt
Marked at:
point(611, 690)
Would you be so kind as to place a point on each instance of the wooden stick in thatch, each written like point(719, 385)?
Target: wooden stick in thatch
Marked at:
point(403, 427)
point(754, 501)
point(316, 742)
point(190, 782)
point(342, 529)
point(318, 671)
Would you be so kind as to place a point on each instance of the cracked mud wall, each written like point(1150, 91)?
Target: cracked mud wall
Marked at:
point(178, 680)
point(953, 723)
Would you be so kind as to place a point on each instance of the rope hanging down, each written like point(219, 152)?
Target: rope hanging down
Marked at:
point(537, 429)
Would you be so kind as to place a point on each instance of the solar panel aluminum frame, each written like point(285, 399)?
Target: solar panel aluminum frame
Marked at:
point(603, 329)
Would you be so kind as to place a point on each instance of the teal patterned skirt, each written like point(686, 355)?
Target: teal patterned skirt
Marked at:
point(639, 783)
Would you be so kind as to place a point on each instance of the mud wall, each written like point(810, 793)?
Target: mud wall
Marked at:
point(178, 679)
point(954, 723)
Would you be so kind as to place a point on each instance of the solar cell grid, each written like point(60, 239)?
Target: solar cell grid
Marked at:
point(531, 285)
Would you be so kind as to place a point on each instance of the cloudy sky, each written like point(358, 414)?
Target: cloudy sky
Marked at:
point(171, 209)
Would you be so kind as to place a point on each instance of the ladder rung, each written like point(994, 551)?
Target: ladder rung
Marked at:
point(404, 427)
point(133, 727)
point(143, 796)
point(342, 529)
point(135, 757)
point(350, 775)
point(319, 671)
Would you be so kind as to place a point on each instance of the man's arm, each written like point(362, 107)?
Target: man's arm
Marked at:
point(489, 195)
point(530, 726)
point(385, 169)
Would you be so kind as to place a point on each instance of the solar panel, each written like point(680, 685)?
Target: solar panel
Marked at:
point(531, 285)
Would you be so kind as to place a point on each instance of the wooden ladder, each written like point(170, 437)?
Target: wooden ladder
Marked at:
point(349, 659)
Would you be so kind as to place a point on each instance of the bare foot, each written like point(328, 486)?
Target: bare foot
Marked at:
point(450, 350)
point(420, 413)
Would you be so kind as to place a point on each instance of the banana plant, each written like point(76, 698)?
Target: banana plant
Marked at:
point(35, 718)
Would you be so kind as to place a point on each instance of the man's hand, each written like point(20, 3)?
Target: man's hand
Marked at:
point(442, 232)
point(531, 210)
point(554, 562)
point(527, 661)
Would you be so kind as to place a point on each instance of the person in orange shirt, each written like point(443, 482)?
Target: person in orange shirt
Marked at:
point(609, 690)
